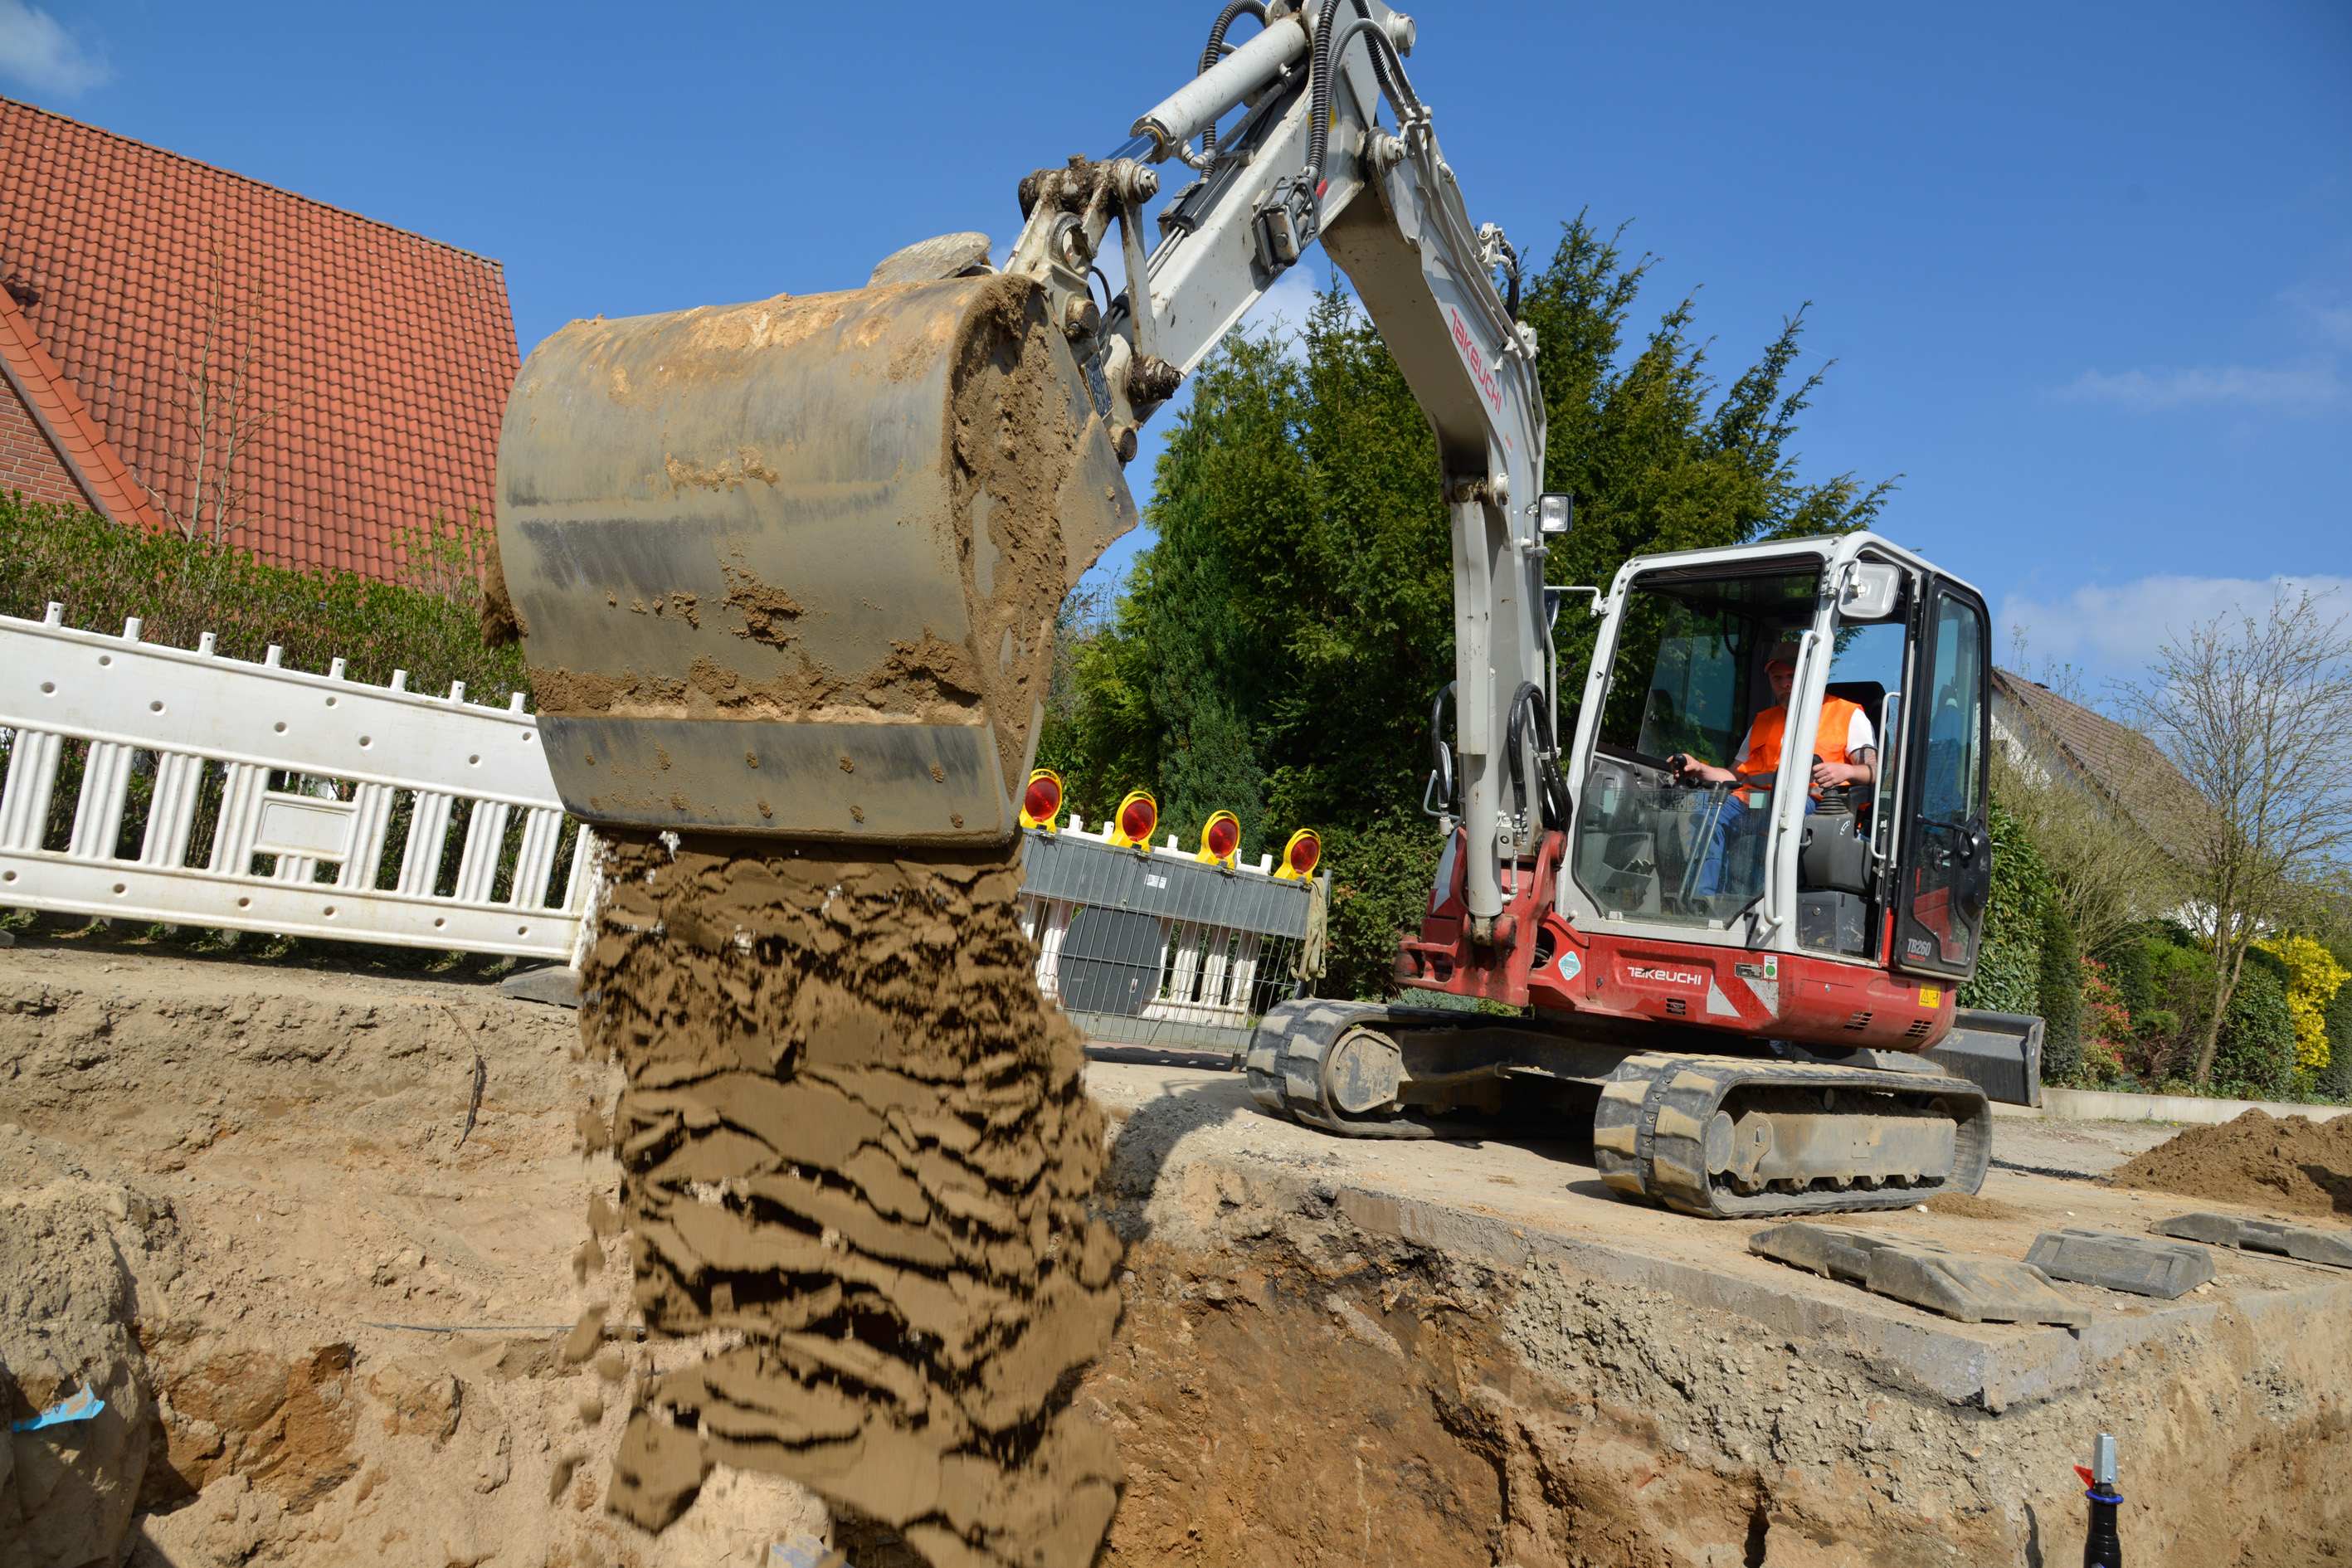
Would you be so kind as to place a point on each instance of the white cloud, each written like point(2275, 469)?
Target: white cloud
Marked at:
point(2143, 392)
point(2331, 319)
point(36, 51)
point(2116, 631)
point(2309, 383)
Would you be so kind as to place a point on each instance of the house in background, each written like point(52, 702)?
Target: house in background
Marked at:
point(2053, 739)
point(355, 377)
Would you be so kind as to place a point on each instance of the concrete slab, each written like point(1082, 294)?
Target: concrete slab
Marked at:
point(2141, 1265)
point(1519, 1197)
point(2070, 1148)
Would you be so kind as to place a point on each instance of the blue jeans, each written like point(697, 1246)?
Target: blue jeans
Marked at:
point(1738, 817)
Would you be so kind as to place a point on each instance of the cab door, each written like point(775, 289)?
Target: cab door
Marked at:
point(1943, 872)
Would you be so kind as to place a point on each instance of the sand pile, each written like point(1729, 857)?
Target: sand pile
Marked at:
point(854, 1146)
point(2294, 1164)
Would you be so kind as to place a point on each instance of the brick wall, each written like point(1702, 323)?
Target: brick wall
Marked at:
point(27, 461)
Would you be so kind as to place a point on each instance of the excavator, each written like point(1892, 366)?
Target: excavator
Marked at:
point(789, 571)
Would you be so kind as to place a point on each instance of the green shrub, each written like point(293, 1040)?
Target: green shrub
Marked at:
point(2183, 978)
point(1381, 877)
point(2105, 1032)
point(2059, 996)
point(2131, 970)
point(2334, 1079)
point(2256, 1058)
point(102, 573)
point(2009, 961)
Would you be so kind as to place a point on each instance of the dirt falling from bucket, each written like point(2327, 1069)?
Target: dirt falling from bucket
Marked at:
point(855, 1146)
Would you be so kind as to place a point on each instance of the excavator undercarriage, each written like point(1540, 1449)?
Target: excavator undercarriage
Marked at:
point(1700, 1129)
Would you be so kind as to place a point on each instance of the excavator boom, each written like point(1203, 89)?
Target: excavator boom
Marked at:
point(790, 569)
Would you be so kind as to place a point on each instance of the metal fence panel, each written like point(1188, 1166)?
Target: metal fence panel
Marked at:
point(1075, 868)
point(1156, 947)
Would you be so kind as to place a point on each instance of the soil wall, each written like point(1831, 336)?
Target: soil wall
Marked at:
point(1288, 1387)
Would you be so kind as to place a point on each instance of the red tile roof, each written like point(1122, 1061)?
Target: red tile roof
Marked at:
point(90, 459)
point(2120, 763)
point(385, 357)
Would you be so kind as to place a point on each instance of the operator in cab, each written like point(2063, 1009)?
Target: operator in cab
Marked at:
point(1846, 753)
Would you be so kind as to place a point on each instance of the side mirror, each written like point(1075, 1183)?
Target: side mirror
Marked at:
point(1555, 513)
point(1445, 770)
point(1871, 591)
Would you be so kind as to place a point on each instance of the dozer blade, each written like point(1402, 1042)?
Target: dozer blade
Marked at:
point(792, 568)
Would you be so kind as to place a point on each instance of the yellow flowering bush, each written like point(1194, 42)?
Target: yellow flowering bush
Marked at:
point(2313, 979)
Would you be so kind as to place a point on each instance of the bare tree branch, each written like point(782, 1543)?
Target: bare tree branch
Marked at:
point(2257, 715)
point(218, 383)
point(2106, 869)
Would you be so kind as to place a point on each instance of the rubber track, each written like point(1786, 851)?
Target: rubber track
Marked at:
point(1649, 1134)
point(1285, 1067)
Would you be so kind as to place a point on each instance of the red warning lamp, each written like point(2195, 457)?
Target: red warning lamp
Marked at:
point(1041, 802)
point(1220, 839)
point(1131, 824)
point(1299, 856)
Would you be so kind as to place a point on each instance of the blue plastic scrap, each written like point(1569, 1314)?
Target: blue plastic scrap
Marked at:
point(79, 1407)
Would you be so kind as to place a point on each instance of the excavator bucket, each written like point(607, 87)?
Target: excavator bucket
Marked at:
point(791, 568)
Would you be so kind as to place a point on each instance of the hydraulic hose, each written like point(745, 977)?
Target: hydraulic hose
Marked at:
point(1210, 55)
point(1386, 64)
point(1331, 43)
point(1527, 712)
point(1318, 95)
point(1437, 729)
point(1511, 260)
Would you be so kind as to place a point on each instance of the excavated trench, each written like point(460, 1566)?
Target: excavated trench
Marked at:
point(237, 1200)
point(1314, 1394)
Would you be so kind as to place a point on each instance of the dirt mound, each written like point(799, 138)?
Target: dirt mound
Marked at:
point(854, 1144)
point(77, 1255)
point(169, 1055)
point(2291, 1164)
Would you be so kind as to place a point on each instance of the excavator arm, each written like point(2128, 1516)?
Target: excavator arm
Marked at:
point(791, 568)
point(1375, 189)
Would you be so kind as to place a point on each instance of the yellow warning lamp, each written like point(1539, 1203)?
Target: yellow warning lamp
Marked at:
point(1299, 856)
point(1040, 802)
point(1131, 824)
point(1220, 840)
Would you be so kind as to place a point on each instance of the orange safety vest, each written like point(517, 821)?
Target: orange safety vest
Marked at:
point(1764, 738)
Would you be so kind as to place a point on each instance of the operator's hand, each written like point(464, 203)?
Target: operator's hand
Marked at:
point(1830, 774)
point(1690, 770)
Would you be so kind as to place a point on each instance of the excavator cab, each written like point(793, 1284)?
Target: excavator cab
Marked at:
point(1892, 870)
point(1686, 824)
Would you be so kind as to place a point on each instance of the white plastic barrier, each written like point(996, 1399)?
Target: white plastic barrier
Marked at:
point(307, 771)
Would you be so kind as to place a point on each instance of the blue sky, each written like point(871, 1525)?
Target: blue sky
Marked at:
point(2086, 271)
